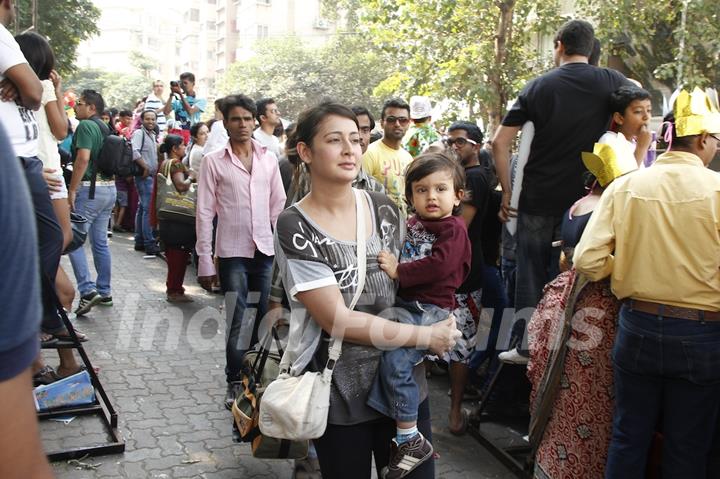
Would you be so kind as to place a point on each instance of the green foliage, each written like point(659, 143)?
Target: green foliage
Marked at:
point(473, 51)
point(65, 23)
point(119, 90)
point(646, 36)
point(297, 76)
point(143, 63)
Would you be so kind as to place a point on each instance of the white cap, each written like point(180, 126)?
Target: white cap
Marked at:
point(420, 107)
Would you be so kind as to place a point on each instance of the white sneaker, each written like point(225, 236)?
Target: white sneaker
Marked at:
point(513, 357)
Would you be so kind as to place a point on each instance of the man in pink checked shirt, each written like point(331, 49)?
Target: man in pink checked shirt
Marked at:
point(240, 184)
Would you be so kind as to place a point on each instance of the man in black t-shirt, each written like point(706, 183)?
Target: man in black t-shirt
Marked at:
point(569, 107)
point(466, 141)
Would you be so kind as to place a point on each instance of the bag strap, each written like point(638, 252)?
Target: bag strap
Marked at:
point(335, 346)
point(265, 352)
point(105, 132)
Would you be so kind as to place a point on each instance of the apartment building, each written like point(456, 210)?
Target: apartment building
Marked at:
point(201, 36)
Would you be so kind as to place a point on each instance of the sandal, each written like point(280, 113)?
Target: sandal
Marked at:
point(80, 369)
point(47, 339)
point(463, 426)
point(65, 336)
point(46, 375)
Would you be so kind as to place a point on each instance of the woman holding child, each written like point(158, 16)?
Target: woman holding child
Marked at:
point(316, 252)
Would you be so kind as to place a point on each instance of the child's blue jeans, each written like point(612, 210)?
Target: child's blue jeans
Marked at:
point(394, 392)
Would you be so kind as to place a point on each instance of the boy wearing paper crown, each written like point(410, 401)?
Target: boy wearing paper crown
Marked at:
point(656, 234)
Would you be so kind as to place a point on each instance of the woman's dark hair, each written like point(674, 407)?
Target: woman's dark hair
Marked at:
point(232, 101)
point(669, 123)
point(144, 112)
point(195, 129)
point(307, 126)
point(38, 53)
point(429, 163)
point(621, 98)
point(170, 142)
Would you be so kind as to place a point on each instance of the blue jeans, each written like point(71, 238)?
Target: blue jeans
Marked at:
point(246, 285)
point(143, 230)
point(394, 392)
point(508, 268)
point(495, 298)
point(667, 373)
point(50, 241)
point(537, 264)
point(97, 211)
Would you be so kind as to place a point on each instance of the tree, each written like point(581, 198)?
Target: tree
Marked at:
point(652, 43)
point(119, 90)
point(65, 23)
point(474, 51)
point(297, 76)
point(143, 63)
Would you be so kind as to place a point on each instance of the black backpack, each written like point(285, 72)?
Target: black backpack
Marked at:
point(115, 157)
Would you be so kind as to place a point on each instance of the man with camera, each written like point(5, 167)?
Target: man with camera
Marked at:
point(184, 102)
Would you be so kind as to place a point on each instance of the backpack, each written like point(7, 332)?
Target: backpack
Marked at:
point(115, 157)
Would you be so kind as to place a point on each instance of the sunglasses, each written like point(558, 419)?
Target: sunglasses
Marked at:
point(460, 141)
point(403, 120)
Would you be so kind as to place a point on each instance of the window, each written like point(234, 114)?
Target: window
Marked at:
point(263, 2)
point(210, 26)
point(262, 31)
point(194, 14)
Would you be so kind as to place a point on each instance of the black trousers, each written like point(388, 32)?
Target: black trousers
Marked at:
point(345, 452)
point(50, 240)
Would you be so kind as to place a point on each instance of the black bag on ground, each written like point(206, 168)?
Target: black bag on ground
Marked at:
point(115, 157)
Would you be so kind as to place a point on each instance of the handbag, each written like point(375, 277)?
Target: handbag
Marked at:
point(79, 226)
point(171, 204)
point(296, 407)
point(259, 369)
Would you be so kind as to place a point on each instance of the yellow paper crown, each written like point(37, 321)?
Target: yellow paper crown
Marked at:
point(611, 157)
point(696, 113)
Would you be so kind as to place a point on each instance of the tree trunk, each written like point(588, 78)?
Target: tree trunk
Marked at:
point(503, 36)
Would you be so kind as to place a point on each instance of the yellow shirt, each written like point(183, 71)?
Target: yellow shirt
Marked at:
point(388, 167)
point(663, 225)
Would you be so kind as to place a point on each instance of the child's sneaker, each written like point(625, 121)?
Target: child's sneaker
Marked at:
point(406, 457)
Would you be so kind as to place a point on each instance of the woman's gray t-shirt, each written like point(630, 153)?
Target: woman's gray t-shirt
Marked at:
point(308, 259)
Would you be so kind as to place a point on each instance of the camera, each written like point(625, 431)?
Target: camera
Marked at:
point(174, 83)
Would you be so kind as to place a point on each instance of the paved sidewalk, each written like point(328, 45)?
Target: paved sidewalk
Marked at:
point(162, 366)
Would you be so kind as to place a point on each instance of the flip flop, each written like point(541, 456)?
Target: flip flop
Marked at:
point(463, 427)
point(47, 339)
point(82, 337)
point(46, 375)
point(81, 368)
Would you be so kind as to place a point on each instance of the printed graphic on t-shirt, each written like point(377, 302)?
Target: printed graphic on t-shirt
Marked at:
point(29, 123)
point(418, 243)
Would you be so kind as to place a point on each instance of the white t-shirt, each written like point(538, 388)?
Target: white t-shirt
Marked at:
point(47, 143)
point(217, 138)
point(19, 122)
point(154, 103)
point(196, 157)
point(271, 142)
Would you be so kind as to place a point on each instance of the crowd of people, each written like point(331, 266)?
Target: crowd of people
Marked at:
point(613, 267)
